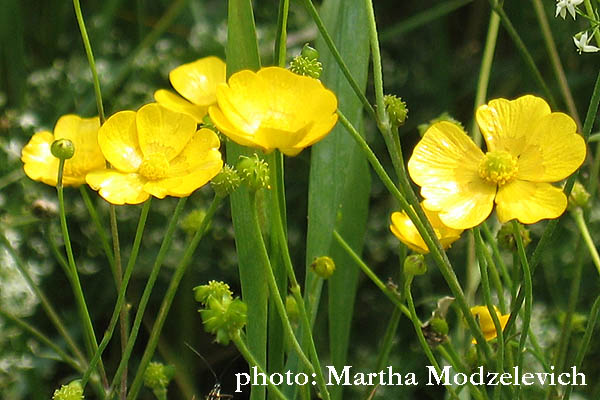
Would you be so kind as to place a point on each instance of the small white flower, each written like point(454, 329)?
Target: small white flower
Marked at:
point(562, 6)
point(583, 45)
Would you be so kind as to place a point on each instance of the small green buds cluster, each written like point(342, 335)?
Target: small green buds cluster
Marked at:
point(223, 315)
point(395, 109)
point(323, 266)
point(157, 377)
point(579, 197)
point(415, 265)
point(307, 63)
point(72, 391)
point(506, 239)
point(226, 182)
point(443, 117)
point(254, 172)
point(63, 149)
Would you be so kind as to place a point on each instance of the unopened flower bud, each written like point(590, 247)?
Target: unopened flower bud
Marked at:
point(226, 182)
point(439, 325)
point(291, 307)
point(253, 172)
point(72, 391)
point(396, 109)
point(415, 265)
point(214, 289)
point(307, 63)
point(579, 197)
point(157, 377)
point(63, 149)
point(323, 266)
point(506, 238)
point(224, 317)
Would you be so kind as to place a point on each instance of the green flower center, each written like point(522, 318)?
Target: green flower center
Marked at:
point(154, 167)
point(498, 167)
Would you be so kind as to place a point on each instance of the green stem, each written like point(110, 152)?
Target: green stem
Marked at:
point(525, 55)
point(496, 252)
point(484, 71)
point(122, 291)
point(587, 337)
point(587, 238)
point(168, 300)
point(447, 351)
point(377, 68)
point(424, 228)
point(162, 252)
point(86, 320)
point(590, 13)
point(338, 58)
point(90, 57)
point(555, 60)
point(241, 346)
point(592, 184)
point(294, 288)
point(527, 285)
point(417, 324)
point(281, 36)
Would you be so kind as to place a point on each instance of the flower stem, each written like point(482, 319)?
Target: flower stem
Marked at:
point(281, 36)
point(122, 291)
point(587, 238)
point(90, 57)
point(241, 346)
point(168, 300)
point(166, 242)
point(86, 320)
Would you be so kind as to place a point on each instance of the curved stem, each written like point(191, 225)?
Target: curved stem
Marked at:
point(168, 300)
point(587, 238)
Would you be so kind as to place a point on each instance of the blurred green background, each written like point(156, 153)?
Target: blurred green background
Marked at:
point(433, 64)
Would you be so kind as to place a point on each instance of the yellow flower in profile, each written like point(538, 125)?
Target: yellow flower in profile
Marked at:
point(274, 109)
point(41, 165)
point(197, 83)
point(486, 323)
point(406, 231)
point(154, 151)
point(528, 147)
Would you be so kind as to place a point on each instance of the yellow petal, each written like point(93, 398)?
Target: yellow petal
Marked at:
point(554, 152)
point(274, 108)
point(119, 142)
point(173, 102)
point(197, 81)
point(163, 131)
point(197, 164)
point(118, 188)
point(445, 164)
point(507, 124)
point(486, 323)
point(529, 202)
point(83, 132)
point(39, 163)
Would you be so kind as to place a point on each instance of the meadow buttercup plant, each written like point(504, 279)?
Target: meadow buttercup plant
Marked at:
point(305, 240)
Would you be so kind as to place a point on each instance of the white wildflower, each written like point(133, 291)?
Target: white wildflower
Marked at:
point(583, 45)
point(562, 6)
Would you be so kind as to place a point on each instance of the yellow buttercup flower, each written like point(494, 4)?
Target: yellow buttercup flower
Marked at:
point(274, 109)
point(528, 147)
point(197, 83)
point(41, 165)
point(486, 323)
point(405, 230)
point(154, 151)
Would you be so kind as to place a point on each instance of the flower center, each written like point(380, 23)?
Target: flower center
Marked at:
point(498, 167)
point(154, 167)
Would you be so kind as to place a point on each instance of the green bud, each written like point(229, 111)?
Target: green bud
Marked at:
point(224, 318)
point(506, 239)
point(415, 265)
point(323, 266)
point(443, 117)
point(253, 172)
point(214, 289)
point(157, 376)
point(192, 221)
point(307, 63)
point(63, 149)
point(226, 182)
point(396, 109)
point(439, 325)
point(291, 307)
point(72, 391)
point(579, 197)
